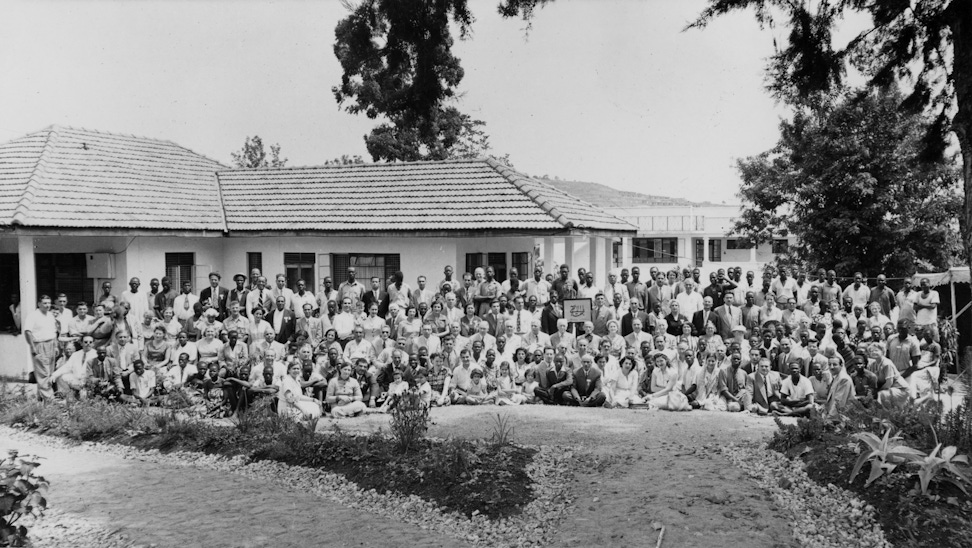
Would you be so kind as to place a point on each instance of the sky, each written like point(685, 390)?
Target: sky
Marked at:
point(608, 91)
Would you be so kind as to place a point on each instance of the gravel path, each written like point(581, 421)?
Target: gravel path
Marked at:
point(629, 473)
point(152, 503)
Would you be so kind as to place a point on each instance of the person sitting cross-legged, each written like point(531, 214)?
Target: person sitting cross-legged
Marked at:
point(796, 394)
point(587, 389)
point(344, 394)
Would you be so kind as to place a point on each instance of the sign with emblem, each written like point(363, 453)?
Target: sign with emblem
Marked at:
point(578, 310)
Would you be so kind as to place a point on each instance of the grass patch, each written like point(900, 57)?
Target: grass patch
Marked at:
point(467, 476)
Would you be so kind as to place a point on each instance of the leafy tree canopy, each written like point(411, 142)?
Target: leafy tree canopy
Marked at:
point(253, 155)
point(398, 64)
point(345, 160)
point(850, 183)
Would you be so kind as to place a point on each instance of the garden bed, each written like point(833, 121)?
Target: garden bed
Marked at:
point(942, 517)
point(467, 477)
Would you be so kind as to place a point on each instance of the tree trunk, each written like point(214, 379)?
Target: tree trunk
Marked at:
point(960, 22)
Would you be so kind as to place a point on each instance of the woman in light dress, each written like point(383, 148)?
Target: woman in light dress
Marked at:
point(172, 327)
point(711, 339)
point(292, 402)
point(507, 391)
point(344, 394)
point(618, 344)
point(372, 324)
point(663, 391)
point(622, 385)
point(209, 348)
point(707, 387)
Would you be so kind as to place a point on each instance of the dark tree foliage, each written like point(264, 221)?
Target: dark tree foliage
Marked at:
point(848, 181)
point(925, 45)
point(398, 64)
point(253, 155)
point(345, 160)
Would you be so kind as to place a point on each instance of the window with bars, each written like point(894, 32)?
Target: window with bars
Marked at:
point(521, 262)
point(180, 267)
point(498, 262)
point(65, 273)
point(733, 243)
point(715, 250)
point(474, 261)
point(254, 260)
point(366, 267)
point(299, 266)
point(654, 250)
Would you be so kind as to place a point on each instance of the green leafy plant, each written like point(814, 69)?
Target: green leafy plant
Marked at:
point(502, 430)
point(788, 436)
point(22, 493)
point(884, 453)
point(936, 467)
point(409, 420)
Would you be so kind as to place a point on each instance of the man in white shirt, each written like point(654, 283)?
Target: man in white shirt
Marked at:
point(422, 294)
point(858, 291)
point(783, 288)
point(427, 340)
point(283, 291)
point(796, 393)
point(62, 312)
point(351, 289)
point(82, 324)
point(137, 300)
point(539, 287)
point(302, 297)
point(343, 322)
point(40, 330)
point(259, 297)
point(237, 322)
point(183, 303)
point(71, 375)
point(587, 289)
point(359, 347)
point(802, 288)
point(689, 301)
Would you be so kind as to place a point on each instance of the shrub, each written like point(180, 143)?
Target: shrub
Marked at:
point(945, 467)
point(884, 453)
point(22, 493)
point(914, 424)
point(788, 436)
point(409, 420)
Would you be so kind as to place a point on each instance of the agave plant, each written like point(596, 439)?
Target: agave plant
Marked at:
point(884, 453)
point(943, 467)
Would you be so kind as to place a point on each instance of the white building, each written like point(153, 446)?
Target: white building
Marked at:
point(674, 232)
point(80, 207)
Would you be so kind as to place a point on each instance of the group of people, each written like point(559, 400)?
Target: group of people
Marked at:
point(785, 346)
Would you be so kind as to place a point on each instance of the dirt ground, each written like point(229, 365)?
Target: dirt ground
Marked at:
point(636, 469)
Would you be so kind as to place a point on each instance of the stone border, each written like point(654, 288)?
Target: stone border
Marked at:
point(550, 471)
point(823, 516)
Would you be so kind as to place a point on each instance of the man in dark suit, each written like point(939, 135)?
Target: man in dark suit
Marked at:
point(376, 295)
point(221, 299)
point(700, 318)
point(552, 311)
point(675, 319)
point(634, 312)
point(586, 390)
point(729, 316)
point(240, 292)
point(282, 320)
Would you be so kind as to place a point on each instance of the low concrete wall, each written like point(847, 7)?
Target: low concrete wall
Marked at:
point(15, 362)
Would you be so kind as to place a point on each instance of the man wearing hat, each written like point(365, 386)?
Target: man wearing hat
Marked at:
point(215, 296)
point(240, 292)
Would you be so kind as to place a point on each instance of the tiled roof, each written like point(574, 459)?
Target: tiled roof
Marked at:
point(76, 178)
point(62, 177)
point(436, 196)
